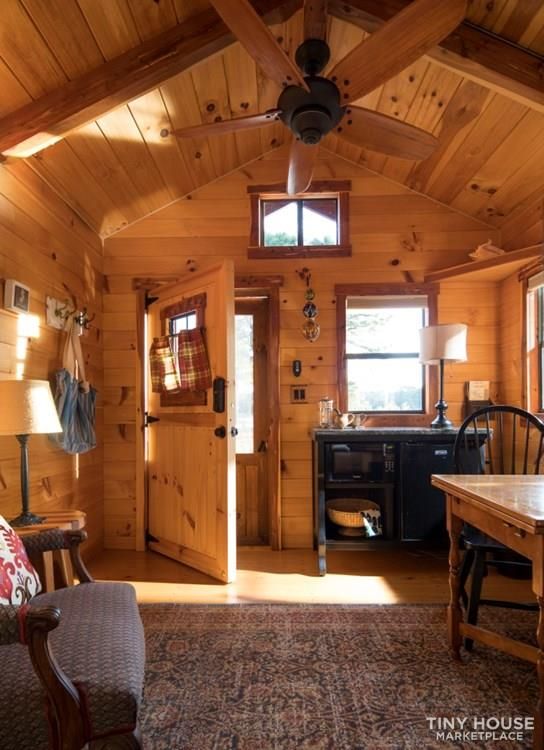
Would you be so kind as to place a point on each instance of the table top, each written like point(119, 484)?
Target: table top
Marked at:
point(54, 519)
point(518, 496)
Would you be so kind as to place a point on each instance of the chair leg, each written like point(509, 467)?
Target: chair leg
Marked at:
point(468, 559)
point(478, 571)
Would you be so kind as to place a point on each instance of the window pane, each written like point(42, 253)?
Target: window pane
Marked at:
point(244, 383)
point(319, 221)
point(185, 322)
point(385, 385)
point(279, 223)
point(385, 330)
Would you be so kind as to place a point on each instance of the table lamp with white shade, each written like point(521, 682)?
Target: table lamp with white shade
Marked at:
point(27, 408)
point(439, 344)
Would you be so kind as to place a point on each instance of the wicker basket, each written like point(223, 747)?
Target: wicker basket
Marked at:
point(355, 516)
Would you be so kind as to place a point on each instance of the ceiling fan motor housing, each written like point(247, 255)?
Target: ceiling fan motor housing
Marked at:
point(311, 114)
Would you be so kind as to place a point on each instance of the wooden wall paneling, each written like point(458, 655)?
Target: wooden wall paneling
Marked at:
point(510, 354)
point(152, 119)
point(522, 191)
point(112, 25)
point(187, 8)
point(511, 175)
point(211, 89)
point(94, 150)
point(68, 176)
point(43, 202)
point(183, 109)
point(419, 232)
point(66, 33)
point(525, 227)
point(464, 107)
point(26, 53)
point(14, 95)
point(426, 111)
point(46, 246)
point(123, 135)
point(489, 130)
point(152, 18)
point(241, 74)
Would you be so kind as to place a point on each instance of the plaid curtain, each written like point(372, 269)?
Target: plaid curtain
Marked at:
point(164, 370)
point(194, 367)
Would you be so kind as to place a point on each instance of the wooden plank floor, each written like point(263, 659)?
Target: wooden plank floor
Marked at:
point(381, 577)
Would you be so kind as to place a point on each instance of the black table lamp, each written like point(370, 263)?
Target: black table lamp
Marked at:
point(439, 344)
point(26, 408)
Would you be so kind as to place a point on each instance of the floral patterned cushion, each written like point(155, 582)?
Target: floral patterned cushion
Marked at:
point(19, 582)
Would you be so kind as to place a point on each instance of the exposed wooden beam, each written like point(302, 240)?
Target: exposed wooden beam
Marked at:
point(141, 69)
point(470, 51)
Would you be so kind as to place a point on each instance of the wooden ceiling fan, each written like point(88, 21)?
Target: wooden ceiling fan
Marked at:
point(312, 106)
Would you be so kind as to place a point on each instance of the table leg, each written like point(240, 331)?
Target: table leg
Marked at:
point(66, 566)
point(49, 571)
point(538, 739)
point(455, 616)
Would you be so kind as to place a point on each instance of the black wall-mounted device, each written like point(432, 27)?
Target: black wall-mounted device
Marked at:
point(297, 368)
point(219, 395)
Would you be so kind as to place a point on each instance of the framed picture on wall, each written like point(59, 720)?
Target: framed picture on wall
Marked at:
point(16, 296)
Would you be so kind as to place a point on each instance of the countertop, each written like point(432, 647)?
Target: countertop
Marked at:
point(350, 433)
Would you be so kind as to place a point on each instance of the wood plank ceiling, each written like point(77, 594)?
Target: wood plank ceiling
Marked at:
point(127, 164)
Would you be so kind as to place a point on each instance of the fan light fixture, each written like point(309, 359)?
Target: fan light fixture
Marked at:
point(312, 106)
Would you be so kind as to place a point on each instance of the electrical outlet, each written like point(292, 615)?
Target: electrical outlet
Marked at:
point(298, 394)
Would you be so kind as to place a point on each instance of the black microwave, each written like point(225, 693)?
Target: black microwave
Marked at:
point(359, 462)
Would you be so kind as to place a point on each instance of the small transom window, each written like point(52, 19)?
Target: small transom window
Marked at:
point(299, 222)
point(310, 225)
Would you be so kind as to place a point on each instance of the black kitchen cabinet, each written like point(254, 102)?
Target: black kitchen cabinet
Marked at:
point(390, 466)
point(422, 509)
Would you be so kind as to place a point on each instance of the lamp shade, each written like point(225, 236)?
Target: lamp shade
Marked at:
point(27, 407)
point(443, 342)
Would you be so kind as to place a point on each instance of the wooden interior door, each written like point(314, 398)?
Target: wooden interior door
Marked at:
point(191, 459)
point(254, 422)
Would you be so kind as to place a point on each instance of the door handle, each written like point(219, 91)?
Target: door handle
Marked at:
point(233, 431)
point(220, 431)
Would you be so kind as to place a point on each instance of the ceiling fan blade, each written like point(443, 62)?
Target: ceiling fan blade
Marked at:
point(302, 159)
point(253, 34)
point(396, 45)
point(390, 136)
point(315, 19)
point(229, 126)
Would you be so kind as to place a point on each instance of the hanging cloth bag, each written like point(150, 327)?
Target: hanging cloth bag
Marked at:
point(75, 399)
point(194, 365)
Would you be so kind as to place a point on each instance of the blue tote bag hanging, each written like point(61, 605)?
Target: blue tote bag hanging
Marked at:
point(75, 399)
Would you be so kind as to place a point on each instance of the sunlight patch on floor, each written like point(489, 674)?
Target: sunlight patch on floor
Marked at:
point(274, 588)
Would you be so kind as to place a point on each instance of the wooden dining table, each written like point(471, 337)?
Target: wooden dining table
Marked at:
point(509, 508)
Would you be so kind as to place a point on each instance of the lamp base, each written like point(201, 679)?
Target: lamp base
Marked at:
point(27, 519)
point(440, 422)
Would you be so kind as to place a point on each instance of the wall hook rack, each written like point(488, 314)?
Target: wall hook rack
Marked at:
point(59, 311)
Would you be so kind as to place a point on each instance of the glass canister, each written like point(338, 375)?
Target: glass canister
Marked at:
point(326, 412)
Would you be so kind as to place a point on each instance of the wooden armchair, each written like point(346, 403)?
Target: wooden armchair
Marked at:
point(72, 662)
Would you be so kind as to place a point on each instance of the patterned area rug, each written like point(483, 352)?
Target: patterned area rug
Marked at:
point(315, 677)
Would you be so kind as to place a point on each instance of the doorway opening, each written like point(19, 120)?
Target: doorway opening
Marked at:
point(253, 420)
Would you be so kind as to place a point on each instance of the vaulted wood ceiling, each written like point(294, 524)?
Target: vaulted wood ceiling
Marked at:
point(126, 164)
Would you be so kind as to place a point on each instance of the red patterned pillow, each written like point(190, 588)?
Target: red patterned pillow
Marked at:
point(19, 581)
